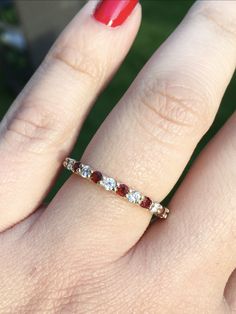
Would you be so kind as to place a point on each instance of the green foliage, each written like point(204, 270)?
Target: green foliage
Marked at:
point(8, 15)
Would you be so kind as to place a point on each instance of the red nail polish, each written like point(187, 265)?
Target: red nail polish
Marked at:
point(114, 12)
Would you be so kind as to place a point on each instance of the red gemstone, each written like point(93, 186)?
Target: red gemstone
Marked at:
point(76, 166)
point(122, 190)
point(96, 176)
point(146, 202)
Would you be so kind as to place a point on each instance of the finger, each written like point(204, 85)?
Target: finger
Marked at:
point(42, 125)
point(149, 137)
point(198, 241)
point(230, 292)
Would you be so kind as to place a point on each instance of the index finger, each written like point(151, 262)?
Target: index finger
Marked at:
point(43, 123)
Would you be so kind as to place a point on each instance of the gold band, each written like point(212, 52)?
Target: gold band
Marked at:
point(121, 189)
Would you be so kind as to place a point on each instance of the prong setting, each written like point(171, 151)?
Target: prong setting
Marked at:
point(134, 197)
point(110, 184)
point(85, 171)
point(69, 163)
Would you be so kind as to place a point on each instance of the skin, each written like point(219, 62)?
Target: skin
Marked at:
point(89, 251)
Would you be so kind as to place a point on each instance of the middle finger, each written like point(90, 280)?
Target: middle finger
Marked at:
point(149, 137)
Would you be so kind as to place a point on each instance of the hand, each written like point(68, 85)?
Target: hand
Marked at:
point(89, 251)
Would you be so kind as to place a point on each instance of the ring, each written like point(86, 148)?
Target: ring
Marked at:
point(121, 189)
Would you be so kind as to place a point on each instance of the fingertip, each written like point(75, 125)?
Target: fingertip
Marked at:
point(114, 13)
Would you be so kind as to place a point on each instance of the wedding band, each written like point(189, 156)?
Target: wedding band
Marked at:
point(121, 189)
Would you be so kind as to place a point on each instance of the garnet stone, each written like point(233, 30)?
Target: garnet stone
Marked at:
point(122, 190)
point(96, 176)
point(146, 202)
point(76, 166)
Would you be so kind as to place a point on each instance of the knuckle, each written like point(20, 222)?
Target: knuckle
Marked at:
point(173, 108)
point(67, 289)
point(220, 14)
point(78, 62)
point(34, 128)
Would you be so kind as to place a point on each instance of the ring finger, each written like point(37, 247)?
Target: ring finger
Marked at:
point(149, 137)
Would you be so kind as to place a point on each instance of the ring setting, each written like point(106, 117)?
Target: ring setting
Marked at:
point(121, 189)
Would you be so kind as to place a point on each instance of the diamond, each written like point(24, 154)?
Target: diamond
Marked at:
point(109, 184)
point(134, 197)
point(156, 208)
point(85, 171)
point(69, 163)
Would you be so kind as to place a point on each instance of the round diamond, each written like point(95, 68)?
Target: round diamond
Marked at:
point(109, 184)
point(134, 197)
point(156, 208)
point(85, 171)
point(69, 163)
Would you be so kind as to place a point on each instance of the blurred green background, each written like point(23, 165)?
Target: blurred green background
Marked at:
point(160, 18)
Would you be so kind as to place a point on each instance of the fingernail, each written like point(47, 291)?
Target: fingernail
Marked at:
point(114, 12)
